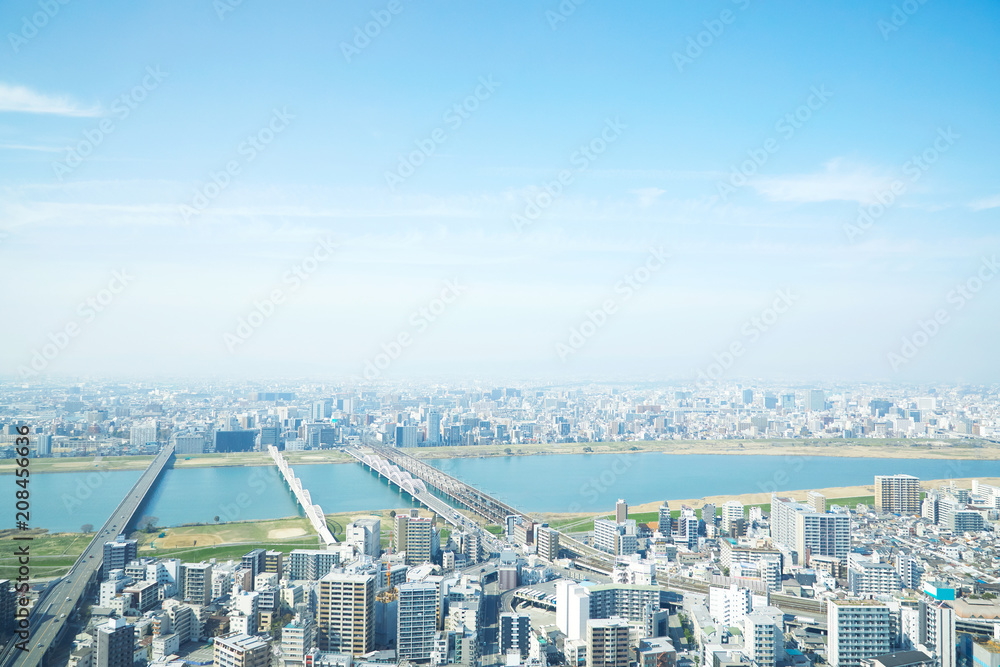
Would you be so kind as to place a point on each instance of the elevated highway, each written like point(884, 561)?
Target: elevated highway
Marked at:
point(312, 511)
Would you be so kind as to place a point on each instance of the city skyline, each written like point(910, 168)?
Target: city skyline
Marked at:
point(813, 185)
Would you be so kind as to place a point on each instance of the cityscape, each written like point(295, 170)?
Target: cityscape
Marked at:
point(564, 333)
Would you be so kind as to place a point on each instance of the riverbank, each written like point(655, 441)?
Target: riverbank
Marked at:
point(898, 448)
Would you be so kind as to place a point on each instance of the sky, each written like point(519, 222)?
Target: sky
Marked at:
point(380, 190)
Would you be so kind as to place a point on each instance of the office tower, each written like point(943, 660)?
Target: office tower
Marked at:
point(817, 501)
point(731, 512)
point(856, 630)
point(240, 650)
point(311, 564)
point(687, 529)
point(188, 443)
point(434, 427)
point(897, 494)
point(417, 617)
point(413, 535)
point(729, 606)
point(115, 644)
point(607, 643)
point(787, 401)
point(817, 400)
point(142, 434)
point(764, 636)
point(296, 641)
point(196, 582)
point(43, 444)
point(770, 402)
point(345, 613)
point(547, 540)
point(254, 562)
point(621, 511)
point(119, 553)
point(572, 609)
point(274, 562)
point(616, 538)
point(940, 632)
point(664, 520)
point(365, 535)
point(406, 436)
point(515, 632)
point(747, 396)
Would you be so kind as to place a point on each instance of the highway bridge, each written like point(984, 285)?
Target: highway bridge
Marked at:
point(416, 489)
point(312, 511)
point(52, 612)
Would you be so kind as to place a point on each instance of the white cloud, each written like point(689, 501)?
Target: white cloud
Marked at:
point(985, 203)
point(648, 195)
point(837, 182)
point(24, 100)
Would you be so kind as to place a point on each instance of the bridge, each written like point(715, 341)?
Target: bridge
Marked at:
point(405, 471)
point(49, 616)
point(382, 465)
point(312, 511)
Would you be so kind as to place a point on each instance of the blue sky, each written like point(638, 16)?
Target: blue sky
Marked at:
point(879, 97)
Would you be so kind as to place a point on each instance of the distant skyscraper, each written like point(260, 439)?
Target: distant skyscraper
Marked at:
point(664, 519)
point(817, 400)
point(787, 401)
point(433, 427)
point(897, 494)
point(141, 434)
point(414, 535)
point(747, 396)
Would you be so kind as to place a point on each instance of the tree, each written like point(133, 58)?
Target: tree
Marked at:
point(588, 449)
point(148, 523)
point(87, 528)
point(216, 518)
point(392, 514)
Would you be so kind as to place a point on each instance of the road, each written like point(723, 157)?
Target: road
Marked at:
point(52, 611)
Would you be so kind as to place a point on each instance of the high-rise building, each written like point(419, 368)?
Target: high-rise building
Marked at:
point(406, 436)
point(547, 540)
point(274, 562)
point(365, 535)
point(43, 444)
point(515, 633)
point(142, 434)
point(296, 641)
point(417, 619)
point(311, 564)
point(414, 536)
point(729, 606)
point(708, 514)
point(241, 650)
point(868, 579)
point(114, 644)
point(897, 494)
point(196, 582)
point(7, 599)
point(434, 427)
point(747, 396)
point(607, 643)
point(119, 553)
point(817, 501)
point(764, 636)
point(345, 613)
point(822, 535)
point(856, 630)
point(254, 561)
point(663, 524)
point(572, 609)
point(817, 400)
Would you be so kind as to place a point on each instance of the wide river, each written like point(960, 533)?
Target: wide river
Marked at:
point(552, 483)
